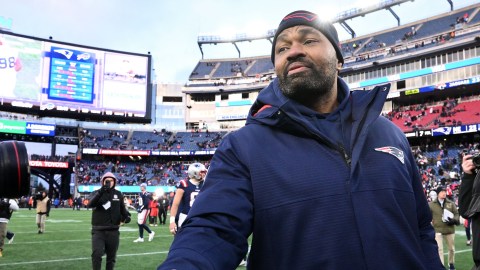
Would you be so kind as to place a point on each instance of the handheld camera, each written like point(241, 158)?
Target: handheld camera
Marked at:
point(475, 158)
point(107, 183)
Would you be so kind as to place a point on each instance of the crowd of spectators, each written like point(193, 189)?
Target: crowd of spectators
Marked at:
point(462, 19)
point(440, 164)
point(153, 173)
point(444, 111)
point(195, 140)
point(36, 157)
point(109, 139)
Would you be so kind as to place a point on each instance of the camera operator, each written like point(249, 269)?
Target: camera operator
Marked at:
point(6, 209)
point(42, 204)
point(108, 214)
point(469, 201)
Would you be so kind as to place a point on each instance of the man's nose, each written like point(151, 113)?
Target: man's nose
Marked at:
point(296, 50)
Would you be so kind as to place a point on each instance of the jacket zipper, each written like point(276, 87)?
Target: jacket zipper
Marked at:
point(346, 158)
point(339, 148)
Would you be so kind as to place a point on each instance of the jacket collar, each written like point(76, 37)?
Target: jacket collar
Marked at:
point(272, 108)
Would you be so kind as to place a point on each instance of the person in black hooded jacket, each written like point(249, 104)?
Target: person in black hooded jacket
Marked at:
point(109, 212)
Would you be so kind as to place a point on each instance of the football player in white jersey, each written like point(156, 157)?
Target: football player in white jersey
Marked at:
point(143, 212)
point(185, 194)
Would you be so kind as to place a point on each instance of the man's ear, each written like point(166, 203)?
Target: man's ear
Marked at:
point(339, 66)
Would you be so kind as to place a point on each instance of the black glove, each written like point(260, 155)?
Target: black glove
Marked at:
point(452, 222)
point(104, 189)
point(127, 219)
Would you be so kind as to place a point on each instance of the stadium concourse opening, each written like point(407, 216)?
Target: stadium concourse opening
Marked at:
point(47, 170)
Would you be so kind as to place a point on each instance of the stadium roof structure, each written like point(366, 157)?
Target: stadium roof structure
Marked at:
point(340, 19)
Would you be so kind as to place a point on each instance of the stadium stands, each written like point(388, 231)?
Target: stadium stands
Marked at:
point(386, 43)
point(466, 113)
point(108, 139)
point(203, 70)
point(448, 112)
point(147, 140)
point(260, 66)
point(436, 157)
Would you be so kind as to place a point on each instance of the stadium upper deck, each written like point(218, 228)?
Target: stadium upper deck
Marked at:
point(452, 26)
point(419, 59)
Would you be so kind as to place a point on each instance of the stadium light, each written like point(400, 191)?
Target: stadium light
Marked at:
point(159, 193)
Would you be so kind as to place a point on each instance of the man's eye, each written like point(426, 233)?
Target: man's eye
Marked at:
point(282, 49)
point(309, 41)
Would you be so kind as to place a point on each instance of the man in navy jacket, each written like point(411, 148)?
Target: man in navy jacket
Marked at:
point(316, 177)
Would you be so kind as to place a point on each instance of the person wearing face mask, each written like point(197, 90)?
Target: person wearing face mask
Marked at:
point(109, 213)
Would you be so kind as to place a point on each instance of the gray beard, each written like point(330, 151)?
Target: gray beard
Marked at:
point(309, 88)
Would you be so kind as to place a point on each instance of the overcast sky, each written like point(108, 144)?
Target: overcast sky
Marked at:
point(168, 29)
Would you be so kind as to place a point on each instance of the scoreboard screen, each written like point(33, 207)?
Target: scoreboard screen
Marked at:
point(71, 75)
point(58, 79)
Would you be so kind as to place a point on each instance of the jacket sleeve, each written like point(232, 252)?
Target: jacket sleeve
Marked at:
point(215, 233)
point(94, 199)
point(456, 214)
point(465, 194)
point(13, 205)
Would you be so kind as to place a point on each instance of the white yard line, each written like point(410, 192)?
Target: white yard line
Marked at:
point(78, 240)
point(81, 258)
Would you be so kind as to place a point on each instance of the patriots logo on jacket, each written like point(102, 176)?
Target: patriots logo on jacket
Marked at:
point(392, 151)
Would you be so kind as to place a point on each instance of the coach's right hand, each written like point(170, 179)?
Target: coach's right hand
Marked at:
point(173, 228)
point(467, 164)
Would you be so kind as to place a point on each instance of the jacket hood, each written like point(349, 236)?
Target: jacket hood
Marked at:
point(109, 175)
point(272, 108)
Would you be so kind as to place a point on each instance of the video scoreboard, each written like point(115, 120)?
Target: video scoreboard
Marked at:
point(71, 75)
point(56, 79)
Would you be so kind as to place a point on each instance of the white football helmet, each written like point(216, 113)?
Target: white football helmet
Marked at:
point(195, 169)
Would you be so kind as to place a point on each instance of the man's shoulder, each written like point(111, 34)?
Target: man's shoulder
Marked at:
point(434, 203)
point(182, 183)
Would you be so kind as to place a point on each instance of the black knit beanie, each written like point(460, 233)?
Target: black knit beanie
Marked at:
point(440, 189)
point(302, 17)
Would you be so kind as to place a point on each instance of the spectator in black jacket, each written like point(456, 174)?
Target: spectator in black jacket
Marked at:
point(469, 203)
point(108, 214)
point(163, 209)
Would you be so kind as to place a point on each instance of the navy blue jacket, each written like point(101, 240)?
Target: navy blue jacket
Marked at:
point(338, 191)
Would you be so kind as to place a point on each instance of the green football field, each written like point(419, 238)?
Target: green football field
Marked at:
point(66, 244)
